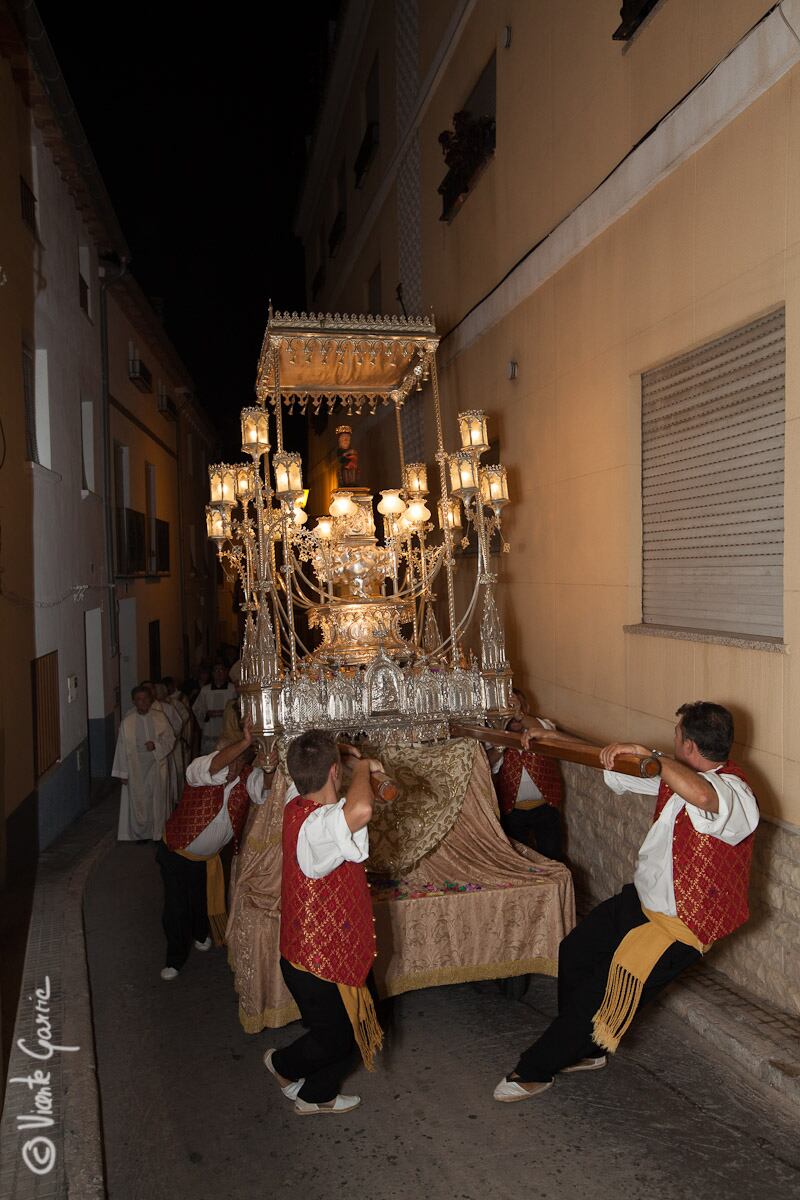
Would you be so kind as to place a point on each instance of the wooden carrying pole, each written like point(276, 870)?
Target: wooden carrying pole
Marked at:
point(643, 766)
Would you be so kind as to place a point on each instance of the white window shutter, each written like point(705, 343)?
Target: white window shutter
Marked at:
point(712, 485)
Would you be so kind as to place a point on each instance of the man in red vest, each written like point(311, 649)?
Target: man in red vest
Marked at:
point(212, 811)
point(689, 889)
point(528, 786)
point(327, 928)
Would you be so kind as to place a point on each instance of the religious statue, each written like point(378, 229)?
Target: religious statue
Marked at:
point(348, 457)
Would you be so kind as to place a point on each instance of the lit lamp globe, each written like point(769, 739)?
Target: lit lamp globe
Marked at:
point(417, 513)
point(222, 483)
point(324, 529)
point(255, 431)
point(416, 480)
point(473, 431)
point(298, 516)
point(342, 504)
point(463, 470)
point(392, 504)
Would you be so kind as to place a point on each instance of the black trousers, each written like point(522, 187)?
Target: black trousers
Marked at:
point(584, 958)
point(185, 915)
point(321, 1056)
point(543, 822)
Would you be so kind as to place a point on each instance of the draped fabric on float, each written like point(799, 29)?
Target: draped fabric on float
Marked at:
point(712, 485)
point(511, 924)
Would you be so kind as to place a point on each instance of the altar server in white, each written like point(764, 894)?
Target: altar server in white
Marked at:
point(142, 762)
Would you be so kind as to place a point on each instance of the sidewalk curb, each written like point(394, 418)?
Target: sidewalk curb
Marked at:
point(63, 1155)
point(760, 1040)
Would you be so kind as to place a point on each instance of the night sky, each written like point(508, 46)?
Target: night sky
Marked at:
point(198, 116)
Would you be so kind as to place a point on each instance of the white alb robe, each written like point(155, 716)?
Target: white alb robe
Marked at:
point(148, 796)
point(209, 708)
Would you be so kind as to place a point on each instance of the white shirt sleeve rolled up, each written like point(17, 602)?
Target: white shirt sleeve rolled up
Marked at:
point(325, 841)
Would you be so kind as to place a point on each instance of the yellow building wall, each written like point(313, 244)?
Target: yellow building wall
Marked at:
point(713, 246)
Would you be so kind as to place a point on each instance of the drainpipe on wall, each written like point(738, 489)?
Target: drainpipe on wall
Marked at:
point(110, 273)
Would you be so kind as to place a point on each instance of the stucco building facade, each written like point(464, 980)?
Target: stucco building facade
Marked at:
point(620, 211)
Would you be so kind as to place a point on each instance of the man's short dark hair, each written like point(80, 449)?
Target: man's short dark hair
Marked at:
point(169, 683)
point(139, 691)
point(710, 727)
point(310, 758)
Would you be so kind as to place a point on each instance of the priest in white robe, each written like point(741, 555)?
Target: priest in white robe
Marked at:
point(143, 762)
point(209, 708)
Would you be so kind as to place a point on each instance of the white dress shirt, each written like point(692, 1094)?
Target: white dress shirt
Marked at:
point(736, 819)
point(325, 840)
point(219, 831)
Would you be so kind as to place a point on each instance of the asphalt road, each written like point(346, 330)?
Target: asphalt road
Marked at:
point(189, 1110)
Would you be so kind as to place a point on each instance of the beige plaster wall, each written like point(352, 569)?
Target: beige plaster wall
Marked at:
point(716, 244)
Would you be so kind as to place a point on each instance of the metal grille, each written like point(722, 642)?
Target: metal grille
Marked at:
point(712, 485)
point(46, 713)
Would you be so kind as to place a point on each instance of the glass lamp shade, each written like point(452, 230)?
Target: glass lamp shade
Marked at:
point(298, 516)
point(392, 504)
point(417, 513)
point(450, 513)
point(463, 473)
point(255, 431)
point(472, 428)
point(245, 482)
point(402, 526)
point(288, 473)
point(416, 479)
point(222, 482)
point(342, 504)
point(218, 521)
point(494, 485)
point(324, 529)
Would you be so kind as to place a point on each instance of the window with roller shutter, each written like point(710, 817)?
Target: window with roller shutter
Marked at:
point(712, 486)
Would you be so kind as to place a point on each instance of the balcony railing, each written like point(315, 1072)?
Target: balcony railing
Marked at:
point(366, 151)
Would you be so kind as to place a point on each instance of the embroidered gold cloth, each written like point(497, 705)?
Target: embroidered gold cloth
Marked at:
point(511, 926)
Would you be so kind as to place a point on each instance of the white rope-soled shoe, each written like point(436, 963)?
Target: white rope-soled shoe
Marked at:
point(508, 1091)
point(586, 1064)
point(342, 1104)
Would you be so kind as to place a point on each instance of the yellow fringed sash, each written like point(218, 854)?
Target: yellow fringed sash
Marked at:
point(215, 893)
point(634, 959)
point(360, 1008)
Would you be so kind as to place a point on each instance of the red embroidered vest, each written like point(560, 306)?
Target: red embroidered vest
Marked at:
point(543, 771)
point(199, 805)
point(711, 879)
point(326, 924)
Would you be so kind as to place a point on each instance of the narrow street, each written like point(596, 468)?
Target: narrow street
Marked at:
point(189, 1111)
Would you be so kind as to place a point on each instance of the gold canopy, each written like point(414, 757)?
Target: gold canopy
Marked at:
point(314, 357)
